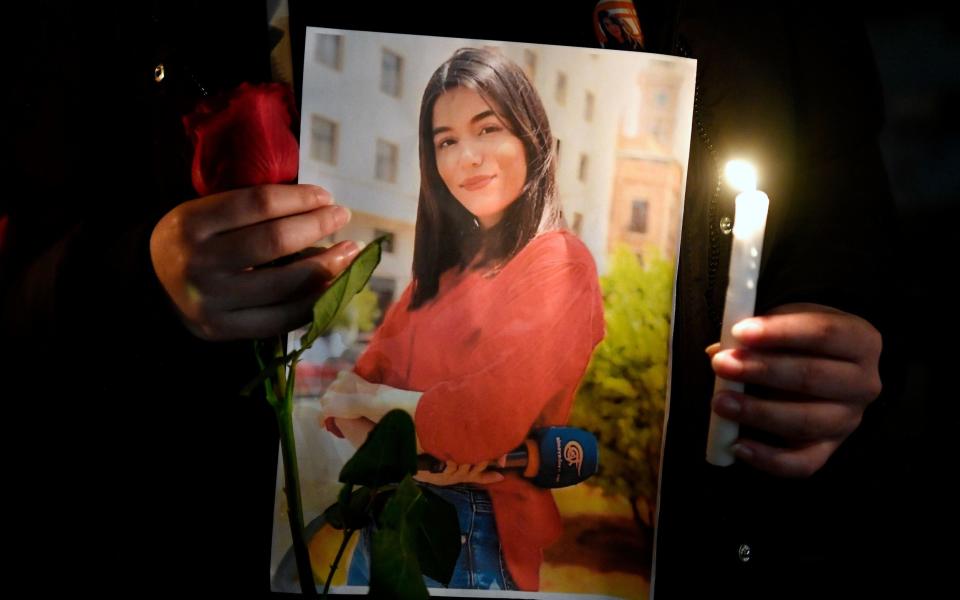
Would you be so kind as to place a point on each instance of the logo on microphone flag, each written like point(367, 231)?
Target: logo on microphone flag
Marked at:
point(573, 454)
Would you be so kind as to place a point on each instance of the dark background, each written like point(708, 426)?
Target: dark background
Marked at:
point(917, 53)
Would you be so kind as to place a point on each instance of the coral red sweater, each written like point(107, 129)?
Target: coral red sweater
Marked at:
point(494, 357)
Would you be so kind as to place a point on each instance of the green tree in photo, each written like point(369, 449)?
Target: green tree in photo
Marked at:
point(622, 396)
point(361, 314)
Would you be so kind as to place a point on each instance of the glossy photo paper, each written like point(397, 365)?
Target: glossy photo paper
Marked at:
point(530, 201)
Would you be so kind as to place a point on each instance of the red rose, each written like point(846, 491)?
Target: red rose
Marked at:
point(244, 138)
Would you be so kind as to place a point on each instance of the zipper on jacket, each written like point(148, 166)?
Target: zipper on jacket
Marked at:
point(713, 258)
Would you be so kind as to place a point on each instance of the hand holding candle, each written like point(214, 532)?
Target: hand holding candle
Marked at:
point(816, 368)
point(749, 225)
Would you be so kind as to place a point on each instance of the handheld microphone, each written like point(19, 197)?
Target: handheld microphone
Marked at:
point(553, 457)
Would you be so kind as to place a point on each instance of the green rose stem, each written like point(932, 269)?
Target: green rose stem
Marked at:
point(283, 409)
point(347, 534)
point(278, 373)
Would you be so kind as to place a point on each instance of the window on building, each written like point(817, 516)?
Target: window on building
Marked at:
point(329, 50)
point(588, 108)
point(561, 91)
point(391, 73)
point(638, 216)
point(387, 236)
point(584, 164)
point(530, 64)
point(323, 139)
point(386, 163)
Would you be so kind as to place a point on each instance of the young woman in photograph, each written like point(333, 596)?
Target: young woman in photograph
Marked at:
point(493, 335)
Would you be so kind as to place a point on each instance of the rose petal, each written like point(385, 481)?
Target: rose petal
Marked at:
point(244, 138)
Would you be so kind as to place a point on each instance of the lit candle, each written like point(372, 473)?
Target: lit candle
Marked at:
point(750, 220)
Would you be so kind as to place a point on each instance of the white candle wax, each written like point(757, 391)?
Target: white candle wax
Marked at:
point(749, 225)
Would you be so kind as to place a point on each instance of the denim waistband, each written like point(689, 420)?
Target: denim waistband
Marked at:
point(464, 495)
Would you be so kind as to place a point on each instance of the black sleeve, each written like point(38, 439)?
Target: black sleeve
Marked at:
point(98, 155)
point(83, 152)
point(128, 442)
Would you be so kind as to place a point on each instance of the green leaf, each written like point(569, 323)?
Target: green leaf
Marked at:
point(438, 538)
point(394, 568)
point(357, 513)
point(342, 290)
point(389, 454)
point(336, 513)
point(334, 516)
point(361, 312)
point(346, 492)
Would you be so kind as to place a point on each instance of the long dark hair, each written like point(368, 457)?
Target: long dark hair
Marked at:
point(447, 234)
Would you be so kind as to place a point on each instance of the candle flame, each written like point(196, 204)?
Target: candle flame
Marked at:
point(741, 175)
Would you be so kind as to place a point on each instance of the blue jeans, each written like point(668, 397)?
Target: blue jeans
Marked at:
point(480, 566)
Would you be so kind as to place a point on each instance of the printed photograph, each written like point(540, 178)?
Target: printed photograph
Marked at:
point(527, 200)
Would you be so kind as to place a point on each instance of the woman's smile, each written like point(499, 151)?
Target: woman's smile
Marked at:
point(477, 182)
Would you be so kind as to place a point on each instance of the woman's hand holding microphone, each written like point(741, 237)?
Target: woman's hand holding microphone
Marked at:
point(356, 405)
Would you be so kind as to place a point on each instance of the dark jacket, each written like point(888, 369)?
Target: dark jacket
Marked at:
point(143, 466)
point(798, 95)
point(137, 465)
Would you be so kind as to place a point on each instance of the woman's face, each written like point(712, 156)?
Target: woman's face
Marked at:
point(482, 163)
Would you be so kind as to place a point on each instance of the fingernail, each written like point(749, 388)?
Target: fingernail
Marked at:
point(727, 361)
point(749, 329)
point(742, 451)
point(728, 405)
point(712, 348)
point(323, 195)
point(350, 249)
point(343, 215)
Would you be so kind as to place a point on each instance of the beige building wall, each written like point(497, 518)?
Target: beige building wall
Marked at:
point(647, 174)
point(657, 183)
